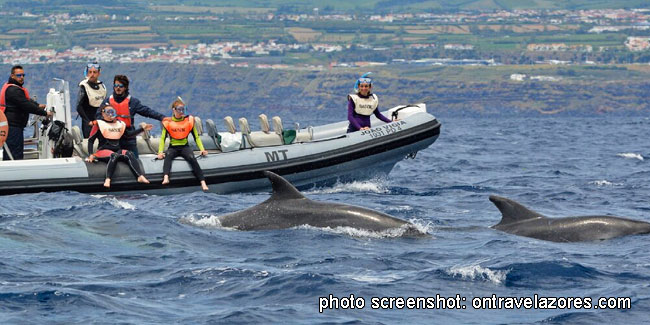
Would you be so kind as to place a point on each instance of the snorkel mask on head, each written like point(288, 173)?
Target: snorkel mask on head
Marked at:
point(179, 105)
point(363, 79)
point(90, 66)
point(110, 112)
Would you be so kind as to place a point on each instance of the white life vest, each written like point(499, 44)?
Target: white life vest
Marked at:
point(95, 96)
point(111, 130)
point(365, 106)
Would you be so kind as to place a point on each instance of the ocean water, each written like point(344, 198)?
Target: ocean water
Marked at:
point(139, 259)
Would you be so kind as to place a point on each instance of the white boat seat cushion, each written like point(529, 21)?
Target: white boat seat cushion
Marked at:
point(277, 125)
point(243, 126)
point(230, 124)
point(264, 123)
point(198, 125)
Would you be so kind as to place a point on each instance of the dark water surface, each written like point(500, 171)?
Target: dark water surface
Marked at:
point(76, 258)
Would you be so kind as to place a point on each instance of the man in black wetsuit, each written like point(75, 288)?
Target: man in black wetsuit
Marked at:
point(17, 105)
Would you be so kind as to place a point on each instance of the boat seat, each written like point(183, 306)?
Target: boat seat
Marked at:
point(230, 124)
point(264, 123)
point(77, 142)
point(146, 136)
point(198, 125)
point(301, 135)
point(259, 138)
point(213, 133)
point(231, 140)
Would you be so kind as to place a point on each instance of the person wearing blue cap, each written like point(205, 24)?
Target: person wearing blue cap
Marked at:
point(91, 95)
point(363, 104)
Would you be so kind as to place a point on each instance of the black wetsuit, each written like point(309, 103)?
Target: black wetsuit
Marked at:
point(17, 112)
point(109, 151)
point(187, 153)
point(85, 110)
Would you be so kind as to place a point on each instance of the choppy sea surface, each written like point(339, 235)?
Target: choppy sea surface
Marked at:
point(141, 259)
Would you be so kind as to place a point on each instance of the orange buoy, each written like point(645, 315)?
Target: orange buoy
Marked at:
point(4, 128)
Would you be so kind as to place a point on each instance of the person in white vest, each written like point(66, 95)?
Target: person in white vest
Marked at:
point(109, 130)
point(92, 93)
point(363, 104)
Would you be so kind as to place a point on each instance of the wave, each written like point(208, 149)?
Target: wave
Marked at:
point(370, 186)
point(115, 202)
point(476, 272)
point(604, 182)
point(549, 274)
point(202, 221)
point(631, 155)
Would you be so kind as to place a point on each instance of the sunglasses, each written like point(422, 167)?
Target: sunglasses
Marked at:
point(93, 65)
point(111, 112)
point(19, 75)
point(180, 109)
point(118, 86)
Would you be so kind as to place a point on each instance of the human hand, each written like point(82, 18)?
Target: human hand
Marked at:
point(148, 127)
point(41, 106)
point(90, 158)
point(49, 113)
point(161, 155)
point(204, 153)
point(365, 128)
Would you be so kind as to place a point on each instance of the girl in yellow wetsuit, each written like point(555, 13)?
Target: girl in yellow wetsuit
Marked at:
point(178, 127)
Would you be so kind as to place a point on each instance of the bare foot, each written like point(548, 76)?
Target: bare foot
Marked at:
point(107, 183)
point(143, 179)
point(204, 186)
point(165, 180)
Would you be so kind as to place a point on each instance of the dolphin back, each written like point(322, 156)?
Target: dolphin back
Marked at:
point(282, 189)
point(513, 212)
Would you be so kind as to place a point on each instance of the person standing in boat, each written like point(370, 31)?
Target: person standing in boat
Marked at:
point(92, 93)
point(109, 130)
point(178, 127)
point(362, 104)
point(127, 107)
point(17, 105)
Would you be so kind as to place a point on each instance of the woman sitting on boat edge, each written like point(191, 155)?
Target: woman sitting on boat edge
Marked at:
point(362, 104)
point(109, 131)
point(178, 127)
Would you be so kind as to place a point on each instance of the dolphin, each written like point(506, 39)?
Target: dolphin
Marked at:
point(287, 208)
point(518, 220)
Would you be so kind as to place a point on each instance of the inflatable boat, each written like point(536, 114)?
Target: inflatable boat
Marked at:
point(315, 155)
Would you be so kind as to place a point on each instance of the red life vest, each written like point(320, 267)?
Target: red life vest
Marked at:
point(123, 112)
point(111, 130)
point(179, 130)
point(3, 101)
point(4, 127)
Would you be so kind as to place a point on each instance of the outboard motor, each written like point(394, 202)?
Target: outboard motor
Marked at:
point(54, 138)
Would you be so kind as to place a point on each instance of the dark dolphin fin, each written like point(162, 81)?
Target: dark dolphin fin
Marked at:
point(512, 211)
point(282, 189)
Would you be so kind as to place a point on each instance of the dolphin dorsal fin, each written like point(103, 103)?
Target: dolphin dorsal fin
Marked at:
point(512, 211)
point(282, 189)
